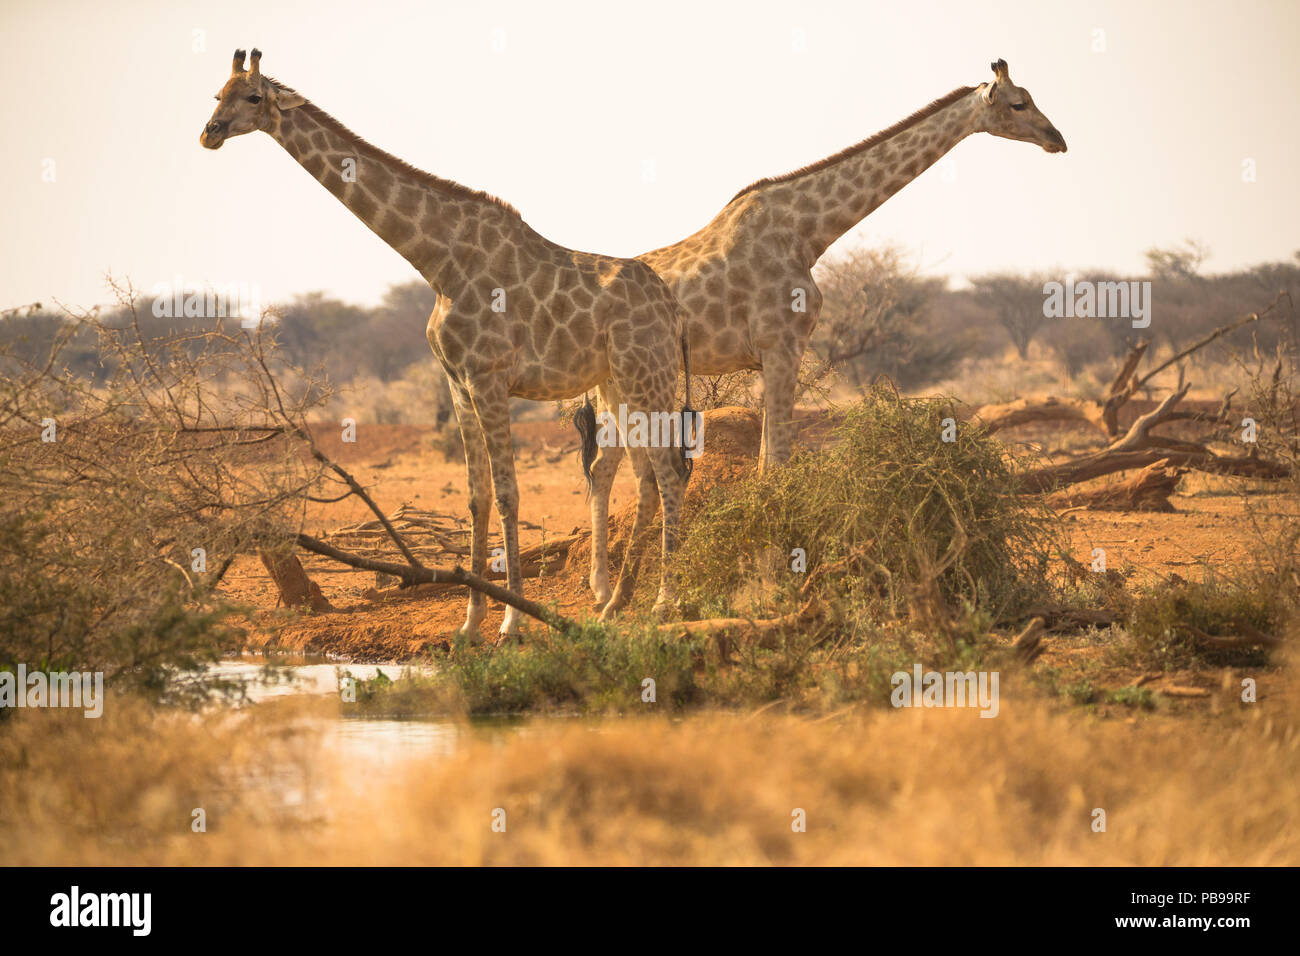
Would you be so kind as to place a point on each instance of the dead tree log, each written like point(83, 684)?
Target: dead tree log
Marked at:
point(1102, 415)
point(1140, 449)
point(296, 589)
point(1249, 637)
point(1148, 490)
point(1106, 463)
point(1024, 411)
point(1061, 617)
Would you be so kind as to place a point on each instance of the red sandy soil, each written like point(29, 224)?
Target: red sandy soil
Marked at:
point(398, 464)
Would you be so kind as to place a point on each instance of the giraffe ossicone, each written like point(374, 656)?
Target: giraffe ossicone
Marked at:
point(516, 315)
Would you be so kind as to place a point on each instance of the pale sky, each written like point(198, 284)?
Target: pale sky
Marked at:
point(563, 107)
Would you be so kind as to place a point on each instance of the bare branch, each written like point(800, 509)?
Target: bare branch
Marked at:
point(457, 575)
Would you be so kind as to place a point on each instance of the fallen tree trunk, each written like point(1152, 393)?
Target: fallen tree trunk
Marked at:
point(1101, 414)
point(1106, 463)
point(1060, 617)
point(1148, 490)
point(1140, 449)
point(1249, 637)
point(1024, 411)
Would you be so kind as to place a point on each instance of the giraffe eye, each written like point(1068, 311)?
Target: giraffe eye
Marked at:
point(254, 98)
point(1019, 106)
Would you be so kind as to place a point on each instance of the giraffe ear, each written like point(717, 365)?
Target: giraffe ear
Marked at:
point(288, 99)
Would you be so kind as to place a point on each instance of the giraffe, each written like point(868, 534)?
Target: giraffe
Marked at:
point(744, 277)
point(516, 314)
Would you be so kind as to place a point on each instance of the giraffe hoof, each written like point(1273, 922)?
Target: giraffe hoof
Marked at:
point(621, 599)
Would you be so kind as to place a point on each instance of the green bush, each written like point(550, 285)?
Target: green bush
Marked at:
point(591, 670)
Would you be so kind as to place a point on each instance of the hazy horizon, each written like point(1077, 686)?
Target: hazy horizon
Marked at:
point(618, 131)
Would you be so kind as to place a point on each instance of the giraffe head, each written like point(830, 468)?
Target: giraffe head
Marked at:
point(247, 102)
point(1008, 111)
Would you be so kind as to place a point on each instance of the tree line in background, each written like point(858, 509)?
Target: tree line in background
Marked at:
point(345, 342)
point(879, 317)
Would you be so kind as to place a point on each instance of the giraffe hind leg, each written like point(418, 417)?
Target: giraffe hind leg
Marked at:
point(656, 454)
point(603, 472)
point(480, 500)
point(670, 479)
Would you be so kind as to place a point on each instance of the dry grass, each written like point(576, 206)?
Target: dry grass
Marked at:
point(878, 787)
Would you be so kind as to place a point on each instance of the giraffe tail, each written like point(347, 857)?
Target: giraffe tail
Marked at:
point(691, 419)
point(584, 419)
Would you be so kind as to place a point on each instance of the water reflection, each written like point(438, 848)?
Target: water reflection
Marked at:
point(262, 682)
point(379, 740)
point(369, 741)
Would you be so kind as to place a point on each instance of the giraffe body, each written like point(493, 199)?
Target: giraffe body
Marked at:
point(745, 280)
point(516, 315)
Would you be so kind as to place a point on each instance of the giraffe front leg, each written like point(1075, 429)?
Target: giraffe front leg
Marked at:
point(491, 402)
point(647, 503)
point(603, 472)
point(780, 381)
point(480, 502)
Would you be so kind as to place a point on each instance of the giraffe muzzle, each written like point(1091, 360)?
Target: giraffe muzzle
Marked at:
point(214, 134)
point(1055, 141)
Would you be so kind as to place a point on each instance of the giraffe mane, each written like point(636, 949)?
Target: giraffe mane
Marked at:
point(873, 140)
point(395, 164)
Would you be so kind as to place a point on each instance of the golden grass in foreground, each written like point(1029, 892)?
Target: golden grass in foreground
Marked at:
point(878, 787)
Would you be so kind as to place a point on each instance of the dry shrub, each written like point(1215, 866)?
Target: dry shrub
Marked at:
point(888, 514)
point(114, 535)
point(1166, 624)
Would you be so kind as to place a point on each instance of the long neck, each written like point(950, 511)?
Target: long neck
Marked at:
point(833, 196)
point(403, 206)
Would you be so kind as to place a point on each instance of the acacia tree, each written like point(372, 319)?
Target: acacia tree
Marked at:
point(1016, 302)
point(874, 319)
